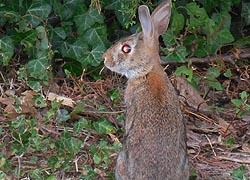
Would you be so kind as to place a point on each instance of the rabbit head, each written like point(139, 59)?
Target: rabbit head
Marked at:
point(137, 54)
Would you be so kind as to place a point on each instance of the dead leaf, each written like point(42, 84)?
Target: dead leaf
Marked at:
point(190, 95)
point(246, 147)
point(9, 110)
point(26, 106)
point(65, 101)
point(28, 102)
point(246, 118)
point(224, 126)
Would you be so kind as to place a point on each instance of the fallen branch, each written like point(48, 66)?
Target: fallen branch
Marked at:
point(238, 158)
point(231, 58)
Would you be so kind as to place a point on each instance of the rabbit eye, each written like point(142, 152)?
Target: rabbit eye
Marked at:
point(126, 48)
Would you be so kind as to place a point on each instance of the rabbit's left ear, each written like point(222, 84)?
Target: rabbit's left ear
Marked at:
point(156, 24)
point(161, 17)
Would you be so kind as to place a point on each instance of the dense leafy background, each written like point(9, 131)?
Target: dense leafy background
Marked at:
point(42, 41)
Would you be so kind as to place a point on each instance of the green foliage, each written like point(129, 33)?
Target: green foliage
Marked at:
point(186, 71)
point(6, 50)
point(40, 101)
point(114, 94)
point(205, 32)
point(238, 174)
point(230, 141)
point(100, 153)
point(62, 149)
point(242, 106)
point(68, 145)
point(211, 75)
point(103, 126)
point(91, 174)
point(245, 13)
point(44, 31)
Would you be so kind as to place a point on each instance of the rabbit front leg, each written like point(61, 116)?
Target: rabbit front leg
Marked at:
point(121, 171)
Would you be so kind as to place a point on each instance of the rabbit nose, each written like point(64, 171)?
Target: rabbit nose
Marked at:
point(104, 57)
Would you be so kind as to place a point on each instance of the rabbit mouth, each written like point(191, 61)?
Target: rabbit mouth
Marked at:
point(109, 64)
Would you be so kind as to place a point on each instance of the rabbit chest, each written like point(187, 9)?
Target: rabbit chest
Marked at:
point(152, 104)
point(154, 129)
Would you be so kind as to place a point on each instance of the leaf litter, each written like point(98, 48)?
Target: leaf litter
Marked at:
point(218, 141)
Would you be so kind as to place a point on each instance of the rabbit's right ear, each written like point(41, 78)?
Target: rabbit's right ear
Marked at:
point(146, 23)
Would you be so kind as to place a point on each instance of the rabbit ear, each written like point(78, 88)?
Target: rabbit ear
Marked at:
point(160, 17)
point(146, 22)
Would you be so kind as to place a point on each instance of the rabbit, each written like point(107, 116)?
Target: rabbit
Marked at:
point(154, 143)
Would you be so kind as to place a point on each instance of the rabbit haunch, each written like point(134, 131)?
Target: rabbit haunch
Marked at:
point(154, 146)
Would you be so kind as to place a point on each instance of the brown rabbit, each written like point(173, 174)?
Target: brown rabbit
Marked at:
point(154, 146)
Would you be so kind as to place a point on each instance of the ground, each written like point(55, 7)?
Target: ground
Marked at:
point(217, 137)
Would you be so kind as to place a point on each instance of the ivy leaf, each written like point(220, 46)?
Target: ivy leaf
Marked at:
point(38, 12)
point(169, 38)
point(79, 108)
point(222, 18)
point(6, 50)
point(198, 16)
point(81, 124)
point(68, 8)
point(68, 144)
point(243, 95)
point(227, 5)
point(224, 36)
point(239, 173)
point(209, 5)
point(91, 174)
point(53, 162)
point(88, 49)
point(212, 73)
point(177, 22)
point(97, 158)
point(9, 16)
point(88, 19)
point(62, 115)
point(96, 36)
point(228, 73)
point(27, 38)
point(245, 12)
point(59, 31)
point(209, 27)
point(75, 50)
point(113, 5)
point(36, 67)
point(42, 35)
point(72, 67)
point(184, 70)
point(104, 127)
point(179, 54)
point(214, 84)
point(34, 84)
point(57, 37)
point(93, 57)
